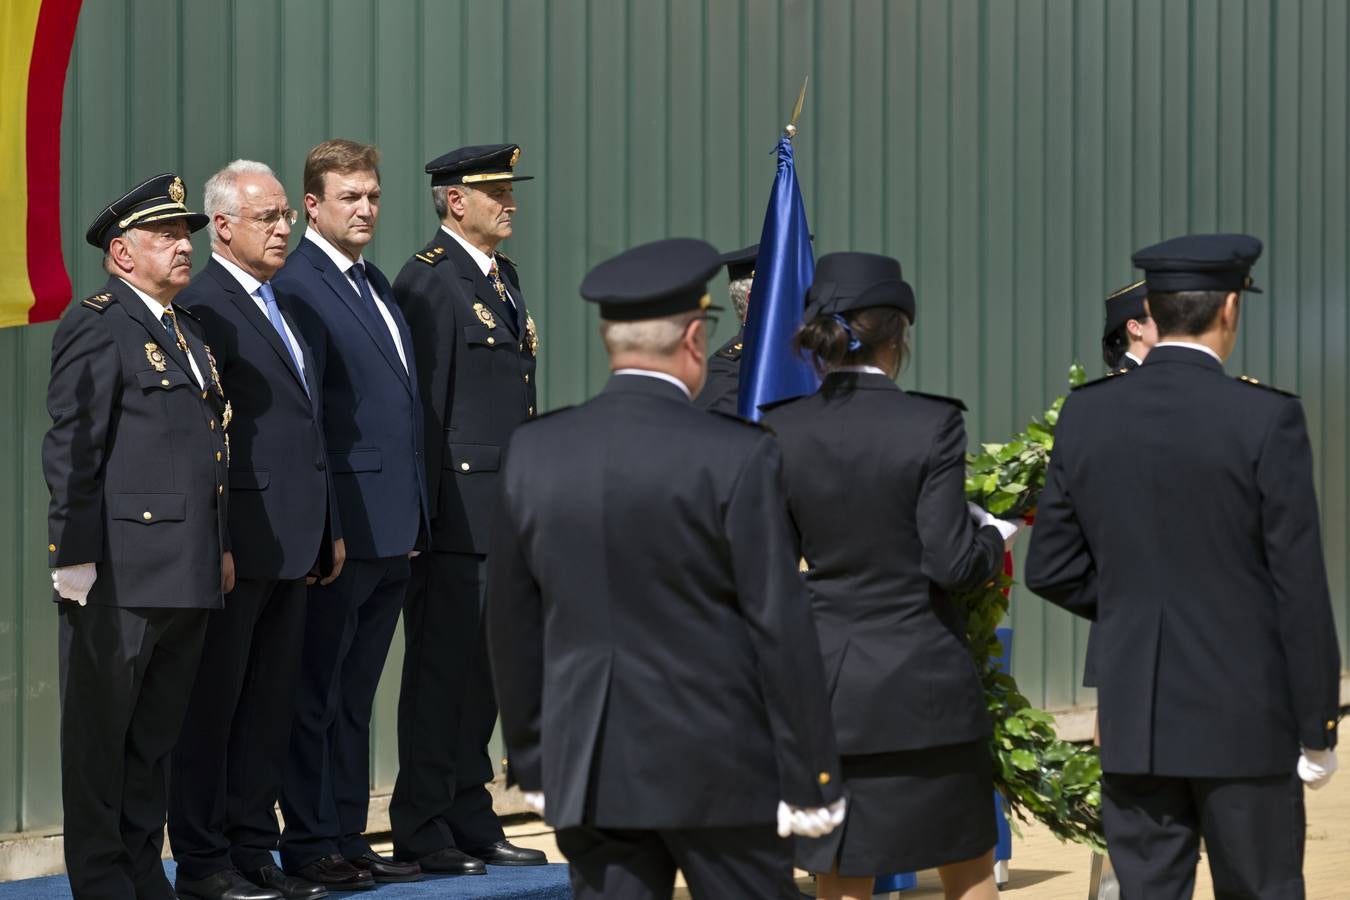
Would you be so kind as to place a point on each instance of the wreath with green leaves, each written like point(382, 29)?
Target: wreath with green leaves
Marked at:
point(1040, 776)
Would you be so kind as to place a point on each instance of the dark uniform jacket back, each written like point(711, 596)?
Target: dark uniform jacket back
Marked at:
point(135, 455)
point(282, 515)
point(721, 391)
point(875, 484)
point(1215, 646)
point(476, 371)
point(651, 641)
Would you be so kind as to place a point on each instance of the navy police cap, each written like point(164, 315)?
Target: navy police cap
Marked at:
point(157, 199)
point(662, 278)
point(1200, 262)
point(1125, 304)
point(741, 263)
point(852, 280)
point(480, 164)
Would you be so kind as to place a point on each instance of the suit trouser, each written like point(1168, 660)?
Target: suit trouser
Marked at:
point(126, 676)
point(732, 863)
point(1253, 829)
point(326, 783)
point(446, 711)
point(227, 766)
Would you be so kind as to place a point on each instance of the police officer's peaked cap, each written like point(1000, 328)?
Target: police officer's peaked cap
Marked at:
point(851, 280)
point(156, 199)
point(481, 164)
point(1200, 262)
point(1125, 304)
point(654, 280)
point(741, 263)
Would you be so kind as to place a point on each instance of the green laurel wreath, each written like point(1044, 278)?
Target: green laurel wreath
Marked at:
point(1040, 776)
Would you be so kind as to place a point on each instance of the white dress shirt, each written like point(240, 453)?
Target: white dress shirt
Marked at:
point(344, 265)
point(664, 376)
point(1191, 346)
point(481, 259)
point(251, 286)
point(157, 311)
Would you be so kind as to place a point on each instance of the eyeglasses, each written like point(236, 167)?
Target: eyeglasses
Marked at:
point(267, 221)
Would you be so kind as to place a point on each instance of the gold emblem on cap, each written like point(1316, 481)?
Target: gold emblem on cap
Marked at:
point(705, 301)
point(176, 192)
point(484, 315)
point(515, 157)
point(155, 356)
point(531, 338)
point(823, 778)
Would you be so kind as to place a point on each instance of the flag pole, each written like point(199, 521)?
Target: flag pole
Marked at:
point(790, 131)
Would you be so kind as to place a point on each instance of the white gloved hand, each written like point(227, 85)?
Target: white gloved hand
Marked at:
point(75, 582)
point(535, 801)
point(1316, 767)
point(982, 517)
point(810, 822)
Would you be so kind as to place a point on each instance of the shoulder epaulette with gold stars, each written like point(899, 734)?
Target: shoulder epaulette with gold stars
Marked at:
point(731, 351)
point(431, 255)
point(1123, 370)
point(98, 302)
point(1247, 379)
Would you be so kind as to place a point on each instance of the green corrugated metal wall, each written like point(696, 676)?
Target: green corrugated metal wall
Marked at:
point(1012, 153)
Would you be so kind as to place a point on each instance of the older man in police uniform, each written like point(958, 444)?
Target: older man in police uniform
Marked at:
point(645, 614)
point(721, 392)
point(475, 345)
point(1215, 644)
point(135, 462)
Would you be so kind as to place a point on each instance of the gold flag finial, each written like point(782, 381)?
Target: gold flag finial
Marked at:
point(791, 130)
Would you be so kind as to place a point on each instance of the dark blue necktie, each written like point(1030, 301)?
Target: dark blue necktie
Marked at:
point(374, 319)
point(274, 316)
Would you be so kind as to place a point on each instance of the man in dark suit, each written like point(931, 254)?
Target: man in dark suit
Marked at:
point(476, 345)
point(721, 390)
point(135, 464)
point(372, 423)
point(1216, 649)
point(645, 614)
point(227, 765)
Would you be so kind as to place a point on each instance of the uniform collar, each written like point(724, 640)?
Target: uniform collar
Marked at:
point(1182, 352)
point(157, 309)
point(649, 373)
point(481, 259)
point(1189, 345)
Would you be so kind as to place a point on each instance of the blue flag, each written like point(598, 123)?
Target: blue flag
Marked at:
point(770, 370)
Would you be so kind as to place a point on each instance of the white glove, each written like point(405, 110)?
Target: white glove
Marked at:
point(535, 801)
point(982, 517)
point(75, 582)
point(1316, 767)
point(810, 822)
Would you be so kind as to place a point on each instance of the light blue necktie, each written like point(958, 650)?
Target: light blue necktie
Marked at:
point(274, 316)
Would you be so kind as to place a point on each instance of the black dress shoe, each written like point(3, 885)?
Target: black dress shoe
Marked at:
point(385, 870)
point(225, 885)
point(450, 861)
point(336, 874)
point(289, 887)
point(504, 853)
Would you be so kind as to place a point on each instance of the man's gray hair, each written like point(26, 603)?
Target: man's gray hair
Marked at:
point(221, 194)
point(739, 291)
point(649, 337)
point(440, 198)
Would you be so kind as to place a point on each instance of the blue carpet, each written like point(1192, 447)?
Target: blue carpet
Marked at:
point(524, 882)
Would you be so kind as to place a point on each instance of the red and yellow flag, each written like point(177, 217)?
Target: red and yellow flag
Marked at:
point(35, 39)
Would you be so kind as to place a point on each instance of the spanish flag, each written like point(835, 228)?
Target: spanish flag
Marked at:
point(35, 40)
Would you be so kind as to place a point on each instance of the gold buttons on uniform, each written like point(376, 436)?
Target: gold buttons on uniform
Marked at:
point(217, 456)
point(464, 466)
point(220, 489)
point(531, 410)
point(164, 382)
point(51, 548)
point(213, 424)
point(1331, 723)
point(823, 778)
point(492, 340)
point(146, 515)
point(527, 377)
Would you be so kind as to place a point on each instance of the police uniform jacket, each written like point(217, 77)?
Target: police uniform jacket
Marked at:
point(1216, 651)
point(282, 514)
point(875, 480)
point(135, 458)
point(371, 411)
point(721, 390)
point(476, 371)
point(647, 621)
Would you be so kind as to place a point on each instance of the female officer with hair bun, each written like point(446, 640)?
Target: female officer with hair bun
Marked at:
point(874, 477)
